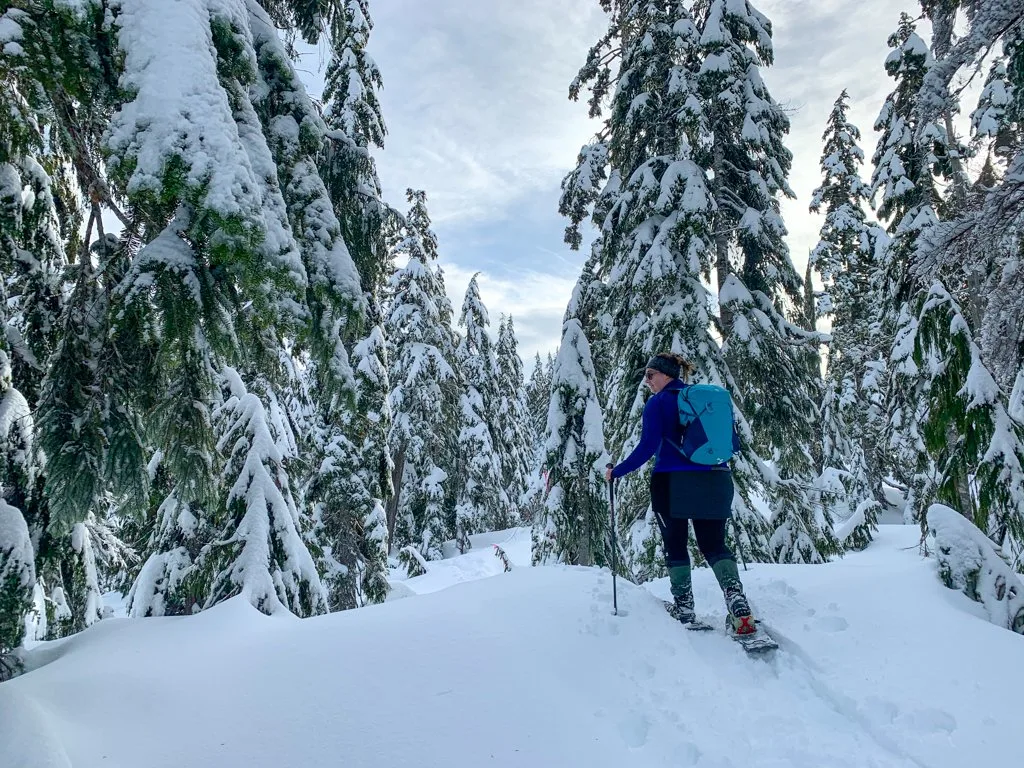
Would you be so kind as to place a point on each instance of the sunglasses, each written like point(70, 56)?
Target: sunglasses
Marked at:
point(649, 375)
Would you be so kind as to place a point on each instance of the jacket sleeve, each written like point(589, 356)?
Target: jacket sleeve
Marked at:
point(650, 439)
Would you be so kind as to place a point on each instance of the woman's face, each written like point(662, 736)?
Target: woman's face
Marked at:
point(656, 380)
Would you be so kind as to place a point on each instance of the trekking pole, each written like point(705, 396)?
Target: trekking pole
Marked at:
point(739, 544)
point(615, 546)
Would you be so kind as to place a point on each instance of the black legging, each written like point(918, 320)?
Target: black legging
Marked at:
point(675, 531)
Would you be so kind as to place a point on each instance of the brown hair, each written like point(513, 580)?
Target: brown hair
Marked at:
point(686, 368)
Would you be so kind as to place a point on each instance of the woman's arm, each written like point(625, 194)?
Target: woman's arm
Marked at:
point(650, 439)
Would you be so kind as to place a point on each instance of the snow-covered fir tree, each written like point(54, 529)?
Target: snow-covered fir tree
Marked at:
point(538, 398)
point(915, 150)
point(999, 120)
point(651, 200)
point(358, 451)
point(257, 550)
point(847, 258)
point(957, 306)
point(17, 470)
point(242, 261)
point(538, 391)
point(513, 423)
point(907, 197)
point(55, 111)
point(425, 391)
point(353, 114)
point(483, 502)
point(573, 526)
point(765, 347)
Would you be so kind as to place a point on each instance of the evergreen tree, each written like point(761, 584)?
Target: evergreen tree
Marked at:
point(356, 125)
point(513, 423)
point(765, 347)
point(258, 551)
point(483, 502)
point(908, 199)
point(371, 423)
point(424, 390)
point(962, 310)
point(992, 221)
point(294, 135)
point(233, 257)
point(915, 150)
point(573, 525)
point(655, 214)
point(538, 398)
point(55, 110)
point(352, 112)
point(32, 260)
point(846, 256)
point(999, 115)
point(17, 555)
point(241, 251)
point(538, 392)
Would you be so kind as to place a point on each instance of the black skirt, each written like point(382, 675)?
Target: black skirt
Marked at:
point(694, 495)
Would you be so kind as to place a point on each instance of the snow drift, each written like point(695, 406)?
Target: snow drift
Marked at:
point(529, 668)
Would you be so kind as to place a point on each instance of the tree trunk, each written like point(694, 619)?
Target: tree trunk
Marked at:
point(721, 243)
point(396, 483)
point(961, 183)
point(810, 305)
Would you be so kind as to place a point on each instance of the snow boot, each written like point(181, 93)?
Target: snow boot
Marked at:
point(681, 608)
point(739, 610)
point(741, 620)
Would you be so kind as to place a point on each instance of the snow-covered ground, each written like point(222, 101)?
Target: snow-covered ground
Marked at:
point(879, 666)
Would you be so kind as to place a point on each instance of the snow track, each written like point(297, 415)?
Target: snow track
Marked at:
point(529, 668)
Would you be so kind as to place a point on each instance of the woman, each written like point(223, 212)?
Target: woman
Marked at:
point(681, 491)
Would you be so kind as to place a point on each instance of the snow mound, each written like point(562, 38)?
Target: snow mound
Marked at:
point(529, 668)
point(970, 562)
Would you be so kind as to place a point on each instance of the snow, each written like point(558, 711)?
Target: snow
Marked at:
point(179, 106)
point(529, 668)
point(1016, 406)
point(15, 415)
point(480, 562)
point(272, 567)
point(971, 563)
point(17, 558)
point(10, 29)
point(734, 291)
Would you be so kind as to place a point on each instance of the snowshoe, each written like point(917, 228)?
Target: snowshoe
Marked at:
point(758, 641)
point(685, 615)
point(741, 625)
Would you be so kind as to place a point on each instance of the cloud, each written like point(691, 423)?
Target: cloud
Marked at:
point(536, 300)
point(475, 98)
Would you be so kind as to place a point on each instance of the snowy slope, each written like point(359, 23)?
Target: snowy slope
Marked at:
point(881, 666)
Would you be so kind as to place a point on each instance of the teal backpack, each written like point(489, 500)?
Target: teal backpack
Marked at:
point(709, 431)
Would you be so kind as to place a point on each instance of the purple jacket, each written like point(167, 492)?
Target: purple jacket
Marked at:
point(661, 434)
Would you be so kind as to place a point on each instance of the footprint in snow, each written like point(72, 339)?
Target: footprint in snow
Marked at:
point(634, 729)
point(833, 624)
point(687, 753)
point(780, 587)
point(644, 670)
point(930, 721)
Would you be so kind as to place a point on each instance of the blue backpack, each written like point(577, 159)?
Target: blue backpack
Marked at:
point(709, 432)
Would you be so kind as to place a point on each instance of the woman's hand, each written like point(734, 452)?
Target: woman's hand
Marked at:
point(608, 473)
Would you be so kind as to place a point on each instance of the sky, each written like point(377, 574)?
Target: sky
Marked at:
point(475, 99)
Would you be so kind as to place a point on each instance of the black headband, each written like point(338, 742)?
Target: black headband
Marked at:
point(663, 364)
